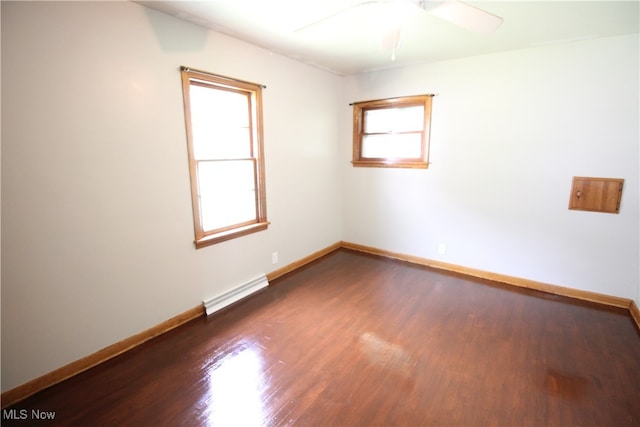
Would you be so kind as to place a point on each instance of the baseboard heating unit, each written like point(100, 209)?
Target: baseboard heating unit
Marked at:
point(212, 305)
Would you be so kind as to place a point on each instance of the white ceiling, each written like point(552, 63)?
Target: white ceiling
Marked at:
point(361, 38)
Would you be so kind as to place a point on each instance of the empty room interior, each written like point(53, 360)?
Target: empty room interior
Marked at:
point(482, 268)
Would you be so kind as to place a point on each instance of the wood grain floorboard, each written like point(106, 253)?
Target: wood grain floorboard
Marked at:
point(358, 340)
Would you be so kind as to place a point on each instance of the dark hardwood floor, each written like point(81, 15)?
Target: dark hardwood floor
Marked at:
point(357, 340)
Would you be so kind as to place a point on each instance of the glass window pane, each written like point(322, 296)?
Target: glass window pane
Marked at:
point(227, 193)
point(214, 218)
point(221, 143)
point(392, 146)
point(403, 119)
point(219, 124)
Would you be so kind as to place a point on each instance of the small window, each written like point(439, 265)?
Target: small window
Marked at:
point(392, 132)
point(226, 163)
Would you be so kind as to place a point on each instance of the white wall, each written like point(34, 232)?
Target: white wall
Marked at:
point(96, 213)
point(97, 232)
point(509, 132)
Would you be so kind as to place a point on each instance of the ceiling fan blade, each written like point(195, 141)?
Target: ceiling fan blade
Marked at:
point(463, 15)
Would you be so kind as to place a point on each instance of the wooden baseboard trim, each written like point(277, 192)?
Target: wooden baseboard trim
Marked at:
point(502, 278)
point(303, 261)
point(23, 391)
point(635, 313)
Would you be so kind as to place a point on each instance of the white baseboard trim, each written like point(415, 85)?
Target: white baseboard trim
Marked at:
point(212, 305)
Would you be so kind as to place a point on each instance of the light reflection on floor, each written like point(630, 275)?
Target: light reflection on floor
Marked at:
point(236, 386)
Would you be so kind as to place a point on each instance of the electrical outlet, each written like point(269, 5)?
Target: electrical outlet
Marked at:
point(442, 248)
point(274, 258)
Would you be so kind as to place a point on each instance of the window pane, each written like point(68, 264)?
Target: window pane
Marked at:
point(219, 124)
point(227, 193)
point(405, 119)
point(393, 146)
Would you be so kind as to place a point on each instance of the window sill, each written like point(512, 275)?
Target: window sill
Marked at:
point(390, 164)
point(230, 234)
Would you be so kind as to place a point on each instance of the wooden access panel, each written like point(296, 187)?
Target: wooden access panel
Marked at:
point(596, 194)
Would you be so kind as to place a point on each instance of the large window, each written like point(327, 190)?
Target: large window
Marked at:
point(392, 132)
point(224, 137)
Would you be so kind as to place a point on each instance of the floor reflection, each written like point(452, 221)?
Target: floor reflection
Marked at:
point(236, 386)
point(388, 355)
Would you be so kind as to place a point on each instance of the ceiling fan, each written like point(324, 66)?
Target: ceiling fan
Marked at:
point(454, 11)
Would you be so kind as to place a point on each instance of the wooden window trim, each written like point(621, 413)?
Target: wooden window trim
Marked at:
point(254, 93)
point(231, 234)
point(359, 109)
